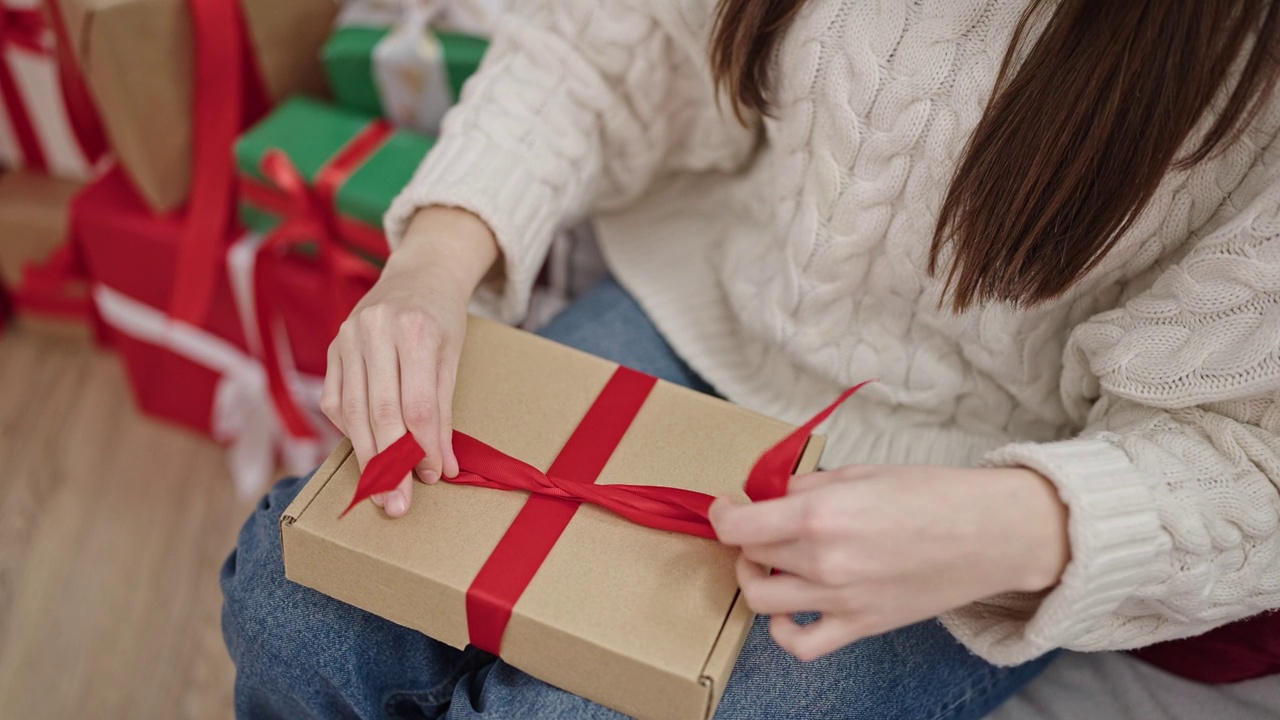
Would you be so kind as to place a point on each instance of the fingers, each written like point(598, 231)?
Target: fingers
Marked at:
point(420, 408)
point(331, 394)
point(813, 481)
point(812, 641)
point(789, 556)
point(355, 408)
point(386, 415)
point(444, 396)
point(760, 522)
point(768, 594)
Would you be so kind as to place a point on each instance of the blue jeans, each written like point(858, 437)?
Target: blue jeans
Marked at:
point(300, 654)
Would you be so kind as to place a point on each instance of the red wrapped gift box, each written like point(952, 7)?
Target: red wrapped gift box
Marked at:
point(135, 253)
point(201, 376)
point(160, 281)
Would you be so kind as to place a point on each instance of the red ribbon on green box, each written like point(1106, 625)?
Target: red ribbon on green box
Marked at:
point(308, 217)
point(312, 135)
point(316, 181)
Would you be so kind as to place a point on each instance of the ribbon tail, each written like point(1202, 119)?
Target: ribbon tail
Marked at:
point(772, 472)
point(385, 471)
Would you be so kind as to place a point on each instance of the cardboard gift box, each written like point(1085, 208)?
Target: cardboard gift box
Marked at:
point(42, 271)
point(47, 120)
point(645, 621)
point(137, 58)
point(408, 73)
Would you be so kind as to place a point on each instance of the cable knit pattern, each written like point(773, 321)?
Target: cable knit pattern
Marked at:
point(787, 259)
point(552, 126)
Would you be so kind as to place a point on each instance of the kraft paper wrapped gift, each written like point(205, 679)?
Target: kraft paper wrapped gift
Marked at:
point(644, 621)
point(137, 58)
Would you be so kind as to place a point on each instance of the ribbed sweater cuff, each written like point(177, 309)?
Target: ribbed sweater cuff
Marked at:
point(1114, 533)
point(466, 170)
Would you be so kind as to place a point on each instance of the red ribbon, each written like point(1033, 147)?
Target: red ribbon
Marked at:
point(308, 214)
point(81, 110)
point(220, 42)
point(357, 235)
point(569, 482)
point(56, 287)
point(22, 29)
point(26, 29)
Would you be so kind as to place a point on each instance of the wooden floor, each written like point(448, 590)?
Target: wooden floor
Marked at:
point(112, 529)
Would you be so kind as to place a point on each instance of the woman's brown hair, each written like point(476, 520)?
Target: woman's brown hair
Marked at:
point(1075, 139)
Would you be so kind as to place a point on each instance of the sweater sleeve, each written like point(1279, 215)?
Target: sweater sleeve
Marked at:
point(1173, 488)
point(578, 106)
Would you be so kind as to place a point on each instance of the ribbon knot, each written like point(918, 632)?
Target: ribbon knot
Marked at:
point(306, 217)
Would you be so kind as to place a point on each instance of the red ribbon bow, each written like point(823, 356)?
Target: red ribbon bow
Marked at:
point(308, 215)
point(569, 482)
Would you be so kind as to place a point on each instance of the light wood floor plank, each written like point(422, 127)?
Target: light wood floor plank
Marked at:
point(112, 529)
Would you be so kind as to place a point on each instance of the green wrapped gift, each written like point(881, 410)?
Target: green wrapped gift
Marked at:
point(339, 172)
point(409, 73)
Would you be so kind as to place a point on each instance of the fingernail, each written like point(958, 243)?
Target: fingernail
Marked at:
point(396, 505)
point(380, 499)
point(430, 477)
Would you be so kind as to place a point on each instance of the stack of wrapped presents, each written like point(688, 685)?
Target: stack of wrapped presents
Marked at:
point(209, 203)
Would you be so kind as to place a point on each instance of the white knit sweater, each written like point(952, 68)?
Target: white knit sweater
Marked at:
point(786, 261)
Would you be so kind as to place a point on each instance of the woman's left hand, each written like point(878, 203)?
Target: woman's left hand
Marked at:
point(874, 548)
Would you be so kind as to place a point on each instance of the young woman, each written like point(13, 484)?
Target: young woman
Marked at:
point(1050, 229)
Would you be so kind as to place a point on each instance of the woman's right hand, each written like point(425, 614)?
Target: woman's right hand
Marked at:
point(392, 367)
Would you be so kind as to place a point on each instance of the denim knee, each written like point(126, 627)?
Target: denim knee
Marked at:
point(260, 607)
point(301, 654)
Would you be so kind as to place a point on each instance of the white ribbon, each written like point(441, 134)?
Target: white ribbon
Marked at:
point(410, 74)
point(243, 416)
point(40, 87)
